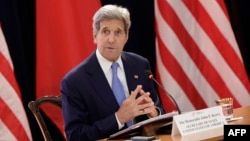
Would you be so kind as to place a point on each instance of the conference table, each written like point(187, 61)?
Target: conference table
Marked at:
point(238, 112)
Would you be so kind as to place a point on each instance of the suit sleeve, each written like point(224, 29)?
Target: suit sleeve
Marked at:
point(78, 125)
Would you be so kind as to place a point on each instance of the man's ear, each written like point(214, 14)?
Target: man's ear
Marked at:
point(94, 37)
point(127, 37)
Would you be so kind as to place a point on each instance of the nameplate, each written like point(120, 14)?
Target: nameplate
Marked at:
point(200, 121)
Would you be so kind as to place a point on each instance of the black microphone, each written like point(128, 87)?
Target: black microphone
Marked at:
point(149, 74)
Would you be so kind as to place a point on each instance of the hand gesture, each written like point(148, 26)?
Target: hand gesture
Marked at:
point(135, 105)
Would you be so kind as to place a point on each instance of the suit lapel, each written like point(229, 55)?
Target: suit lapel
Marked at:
point(131, 75)
point(101, 85)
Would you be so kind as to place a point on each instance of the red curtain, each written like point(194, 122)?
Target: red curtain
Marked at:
point(64, 39)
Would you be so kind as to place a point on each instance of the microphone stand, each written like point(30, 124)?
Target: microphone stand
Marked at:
point(150, 76)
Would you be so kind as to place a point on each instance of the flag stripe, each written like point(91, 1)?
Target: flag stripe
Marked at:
point(12, 102)
point(12, 114)
point(214, 30)
point(193, 51)
point(6, 70)
point(178, 74)
point(169, 84)
point(202, 60)
point(233, 62)
point(174, 45)
point(184, 59)
point(8, 119)
point(5, 132)
point(220, 19)
point(199, 52)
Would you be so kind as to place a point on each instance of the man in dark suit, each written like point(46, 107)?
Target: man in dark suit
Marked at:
point(90, 108)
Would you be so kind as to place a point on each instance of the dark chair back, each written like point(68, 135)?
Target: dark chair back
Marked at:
point(35, 107)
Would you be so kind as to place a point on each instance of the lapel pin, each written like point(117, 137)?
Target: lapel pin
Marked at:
point(136, 76)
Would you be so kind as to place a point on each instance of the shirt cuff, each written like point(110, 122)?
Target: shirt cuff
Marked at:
point(158, 110)
point(118, 122)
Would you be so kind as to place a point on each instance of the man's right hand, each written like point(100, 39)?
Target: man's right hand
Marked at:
point(133, 107)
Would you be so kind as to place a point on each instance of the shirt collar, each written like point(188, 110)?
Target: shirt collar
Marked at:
point(106, 64)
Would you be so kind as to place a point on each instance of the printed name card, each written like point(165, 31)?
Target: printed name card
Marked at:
point(209, 119)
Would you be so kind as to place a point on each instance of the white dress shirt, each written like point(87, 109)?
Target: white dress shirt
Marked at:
point(106, 67)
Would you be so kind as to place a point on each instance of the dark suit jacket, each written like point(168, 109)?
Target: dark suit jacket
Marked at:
point(88, 102)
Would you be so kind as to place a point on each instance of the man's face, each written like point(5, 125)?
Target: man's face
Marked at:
point(111, 38)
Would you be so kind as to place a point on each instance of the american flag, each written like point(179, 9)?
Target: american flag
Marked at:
point(198, 59)
point(14, 125)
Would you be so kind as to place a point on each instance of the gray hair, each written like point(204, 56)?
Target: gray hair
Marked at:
point(109, 12)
